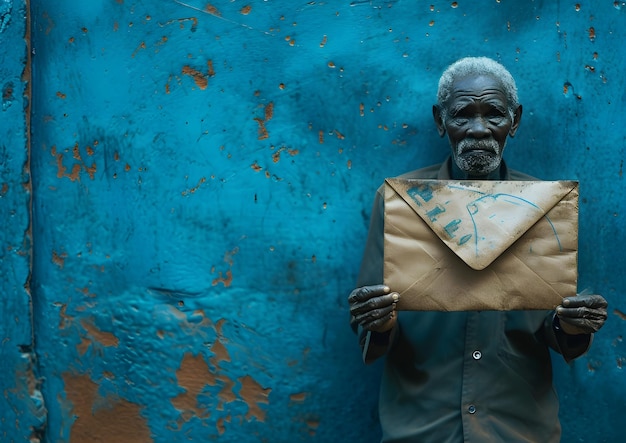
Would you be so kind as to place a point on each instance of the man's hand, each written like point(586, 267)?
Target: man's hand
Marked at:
point(583, 314)
point(374, 307)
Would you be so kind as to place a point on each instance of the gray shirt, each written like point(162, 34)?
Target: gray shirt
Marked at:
point(464, 376)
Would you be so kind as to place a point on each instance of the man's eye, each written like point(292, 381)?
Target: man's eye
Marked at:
point(459, 119)
point(496, 117)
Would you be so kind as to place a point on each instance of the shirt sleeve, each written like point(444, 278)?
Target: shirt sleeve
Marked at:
point(373, 344)
point(569, 346)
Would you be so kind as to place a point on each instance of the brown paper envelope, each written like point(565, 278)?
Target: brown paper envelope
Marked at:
point(480, 245)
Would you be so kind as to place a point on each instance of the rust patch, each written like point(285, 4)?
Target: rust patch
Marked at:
point(268, 114)
point(300, 397)
point(193, 375)
point(74, 175)
point(181, 22)
point(226, 394)
point(228, 278)
point(592, 34)
point(85, 292)
point(619, 313)
point(225, 280)
point(141, 46)
point(254, 395)
point(106, 339)
point(198, 77)
point(195, 188)
point(276, 155)
point(220, 353)
point(59, 259)
point(111, 419)
point(246, 10)
point(212, 10)
point(66, 320)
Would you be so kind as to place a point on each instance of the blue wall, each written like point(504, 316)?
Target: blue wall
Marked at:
point(22, 413)
point(202, 178)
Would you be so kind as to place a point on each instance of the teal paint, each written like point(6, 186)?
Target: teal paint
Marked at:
point(201, 190)
point(22, 413)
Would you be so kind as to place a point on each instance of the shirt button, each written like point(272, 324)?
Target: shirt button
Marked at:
point(471, 409)
point(477, 355)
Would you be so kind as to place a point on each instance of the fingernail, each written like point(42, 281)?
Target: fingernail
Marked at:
point(395, 297)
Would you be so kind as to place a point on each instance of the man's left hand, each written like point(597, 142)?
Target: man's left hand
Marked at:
point(582, 314)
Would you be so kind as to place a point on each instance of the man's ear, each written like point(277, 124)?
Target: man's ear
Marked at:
point(441, 128)
point(517, 118)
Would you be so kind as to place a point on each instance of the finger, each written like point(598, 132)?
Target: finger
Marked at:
point(381, 324)
point(582, 325)
point(588, 300)
point(374, 315)
point(366, 292)
point(373, 304)
point(582, 312)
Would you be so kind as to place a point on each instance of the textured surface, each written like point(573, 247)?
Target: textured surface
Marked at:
point(202, 180)
point(22, 413)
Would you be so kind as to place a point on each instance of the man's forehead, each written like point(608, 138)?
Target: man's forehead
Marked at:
point(477, 87)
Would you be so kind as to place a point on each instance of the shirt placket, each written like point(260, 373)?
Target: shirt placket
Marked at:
point(480, 332)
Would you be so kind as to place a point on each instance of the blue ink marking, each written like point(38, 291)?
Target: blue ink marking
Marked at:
point(472, 208)
point(465, 239)
point(424, 191)
point(558, 240)
point(433, 213)
point(451, 227)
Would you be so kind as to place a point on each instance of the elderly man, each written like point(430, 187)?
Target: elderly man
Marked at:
point(467, 376)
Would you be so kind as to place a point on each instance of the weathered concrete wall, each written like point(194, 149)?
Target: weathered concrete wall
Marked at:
point(22, 414)
point(202, 180)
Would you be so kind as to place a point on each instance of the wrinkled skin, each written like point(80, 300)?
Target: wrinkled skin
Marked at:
point(478, 121)
point(374, 307)
point(583, 314)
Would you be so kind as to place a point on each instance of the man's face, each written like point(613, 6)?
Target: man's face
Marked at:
point(478, 122)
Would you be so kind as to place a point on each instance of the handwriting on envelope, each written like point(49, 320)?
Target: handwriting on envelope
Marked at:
point(458, 245)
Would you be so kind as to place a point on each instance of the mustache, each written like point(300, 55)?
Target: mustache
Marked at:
point(469, 144)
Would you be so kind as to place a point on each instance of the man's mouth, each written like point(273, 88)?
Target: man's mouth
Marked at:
point(478, 146)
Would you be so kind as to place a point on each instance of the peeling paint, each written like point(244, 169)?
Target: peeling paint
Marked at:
point(102, 419)
point(254, 395)
point(167, 133)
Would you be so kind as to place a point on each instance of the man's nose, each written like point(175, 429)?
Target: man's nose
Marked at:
point(478, 128)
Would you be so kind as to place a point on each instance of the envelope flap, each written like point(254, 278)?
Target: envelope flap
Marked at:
point(478, 220)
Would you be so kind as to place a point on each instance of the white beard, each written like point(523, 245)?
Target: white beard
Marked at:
point(478, 157)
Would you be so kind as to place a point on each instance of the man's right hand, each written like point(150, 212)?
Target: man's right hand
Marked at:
point(374, 307)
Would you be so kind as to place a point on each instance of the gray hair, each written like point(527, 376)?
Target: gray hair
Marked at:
point(477, 66)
